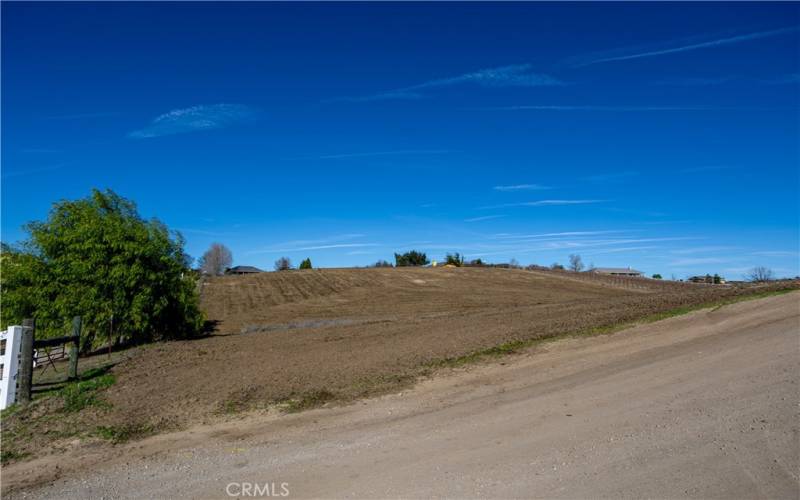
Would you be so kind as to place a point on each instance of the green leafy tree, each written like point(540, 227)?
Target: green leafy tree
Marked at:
point(306, 264)
point(412, 258)
point(455, 259)
point(98, 259)
point(656, 276)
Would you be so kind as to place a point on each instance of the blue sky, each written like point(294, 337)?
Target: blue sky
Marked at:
point(660, 136)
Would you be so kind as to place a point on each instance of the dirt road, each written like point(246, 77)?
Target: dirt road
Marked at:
point(702, 405)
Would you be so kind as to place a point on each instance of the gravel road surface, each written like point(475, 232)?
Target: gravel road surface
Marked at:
point(704, 405)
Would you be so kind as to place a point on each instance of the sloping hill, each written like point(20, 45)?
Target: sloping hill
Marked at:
point(301, 338)
point(237, 302)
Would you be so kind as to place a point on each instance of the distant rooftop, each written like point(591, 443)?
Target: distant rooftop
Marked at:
point(243, 270)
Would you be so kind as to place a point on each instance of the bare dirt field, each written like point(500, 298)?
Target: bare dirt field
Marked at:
point(702, 405)
point(295, 340)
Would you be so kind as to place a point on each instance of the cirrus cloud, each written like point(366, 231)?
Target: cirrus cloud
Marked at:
point(194, 119)
point(516, 75)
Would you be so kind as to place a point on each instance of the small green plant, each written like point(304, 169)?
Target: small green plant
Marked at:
point(10, 455)
point(81, 394)
point(307, 400)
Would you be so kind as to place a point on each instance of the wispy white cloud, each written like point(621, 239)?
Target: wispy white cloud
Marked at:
point(703, 249)
point(694, 46)
point(699, 261)
point(777, 253)
point(330, 242)
point(571, 244)
point(314, 247)
point(194, 119)
point(542, 203)
point(521, 187)
point(485, 217)
point(517, 75)
point(561, 234)
point(621, 250)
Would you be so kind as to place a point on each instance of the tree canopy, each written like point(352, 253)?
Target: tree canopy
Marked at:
point(575, 263)
point(98, 259)
point(412, 258)
point(306, 263)
point(454, 259)
point(283, 264)
point(216, 260)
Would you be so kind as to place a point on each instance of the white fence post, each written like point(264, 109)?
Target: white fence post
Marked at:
point(10, 366)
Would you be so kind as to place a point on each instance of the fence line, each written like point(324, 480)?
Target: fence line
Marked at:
point(9, 364)
point(17, 344)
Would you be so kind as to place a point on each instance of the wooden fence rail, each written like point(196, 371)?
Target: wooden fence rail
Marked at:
point(18, 359)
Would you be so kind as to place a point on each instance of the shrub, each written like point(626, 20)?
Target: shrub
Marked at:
point(305, 264)
point(455, 259)
point(412, 258)
point(382, 263)
point(656, 276)
point(97, 258)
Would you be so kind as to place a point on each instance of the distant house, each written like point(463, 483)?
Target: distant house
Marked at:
point(617, 271)
point(243, 270)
